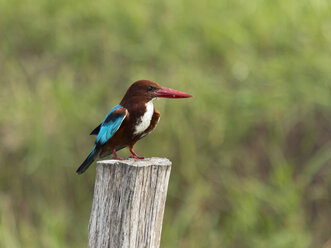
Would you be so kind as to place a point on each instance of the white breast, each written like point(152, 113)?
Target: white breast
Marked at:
point(144, 122)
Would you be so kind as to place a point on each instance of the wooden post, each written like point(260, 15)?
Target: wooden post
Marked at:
point(128, 203)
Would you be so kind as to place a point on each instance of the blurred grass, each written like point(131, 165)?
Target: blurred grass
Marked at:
point(251, 150)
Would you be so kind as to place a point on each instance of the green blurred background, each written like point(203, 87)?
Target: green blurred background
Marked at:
point(251, 151)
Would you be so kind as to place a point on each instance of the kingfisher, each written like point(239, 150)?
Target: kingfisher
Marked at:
point(126, 123)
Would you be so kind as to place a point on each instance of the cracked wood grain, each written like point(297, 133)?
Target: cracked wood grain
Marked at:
point(128, 203)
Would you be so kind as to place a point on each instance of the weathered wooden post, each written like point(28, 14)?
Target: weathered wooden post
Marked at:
point(128, 203)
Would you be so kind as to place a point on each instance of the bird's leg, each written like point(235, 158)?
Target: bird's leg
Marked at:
point(115, 155)
point(134, 155)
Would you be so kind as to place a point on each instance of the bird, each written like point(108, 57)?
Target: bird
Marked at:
point(126, 123)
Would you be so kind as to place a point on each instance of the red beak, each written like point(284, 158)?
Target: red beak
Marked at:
point(170, 93)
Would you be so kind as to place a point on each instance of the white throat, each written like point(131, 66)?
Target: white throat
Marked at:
point(144, 122)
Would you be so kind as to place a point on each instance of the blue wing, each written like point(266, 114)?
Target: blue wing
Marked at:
point(111, 124)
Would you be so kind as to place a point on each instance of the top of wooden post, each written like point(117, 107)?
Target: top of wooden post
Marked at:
point(138, 162)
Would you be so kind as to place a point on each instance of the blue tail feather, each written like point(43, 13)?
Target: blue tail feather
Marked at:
point(88, 161)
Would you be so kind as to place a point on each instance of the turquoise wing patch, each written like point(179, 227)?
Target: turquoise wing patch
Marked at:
point(111, 124)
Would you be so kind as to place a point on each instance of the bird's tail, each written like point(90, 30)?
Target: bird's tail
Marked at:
point(88, 161)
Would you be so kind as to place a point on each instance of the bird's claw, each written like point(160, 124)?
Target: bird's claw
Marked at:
point(115, 156)
point(136, 157)
point(119, 158)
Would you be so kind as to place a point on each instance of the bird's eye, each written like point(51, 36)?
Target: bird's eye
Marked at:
point(150, 88)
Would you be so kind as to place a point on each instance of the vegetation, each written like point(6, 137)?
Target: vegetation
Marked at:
point(251, 151)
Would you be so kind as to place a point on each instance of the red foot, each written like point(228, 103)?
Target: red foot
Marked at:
point(115, 155)
point(134, 155)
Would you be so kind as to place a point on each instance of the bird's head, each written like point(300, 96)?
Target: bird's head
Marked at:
point(146, 90)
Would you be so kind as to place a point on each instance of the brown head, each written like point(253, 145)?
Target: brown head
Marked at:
point(144, 91)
